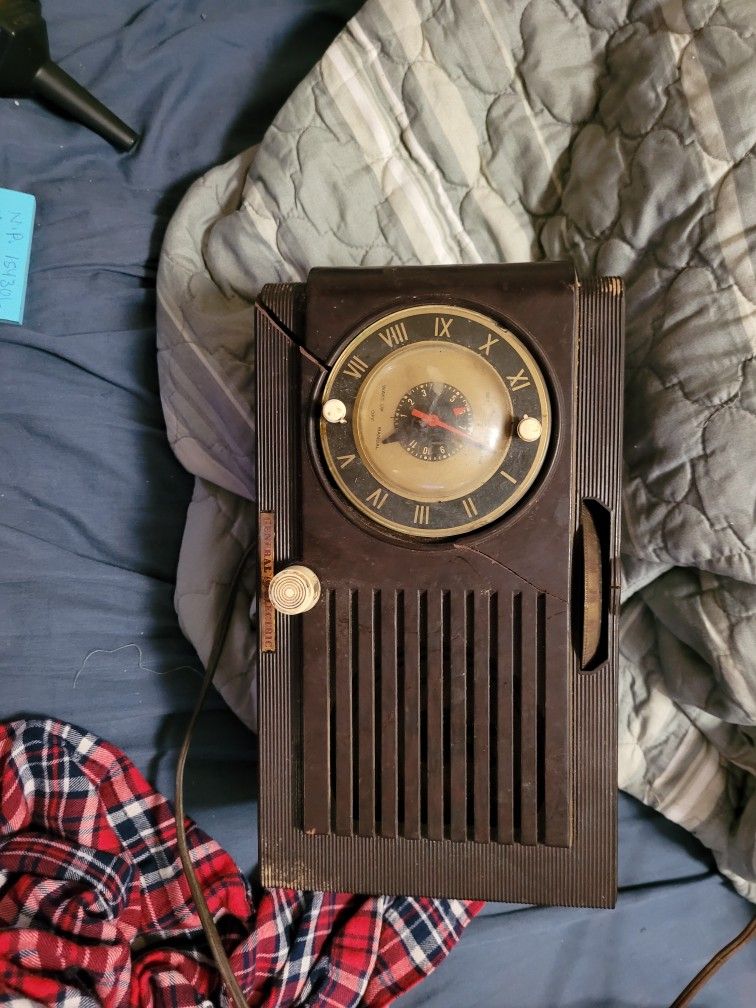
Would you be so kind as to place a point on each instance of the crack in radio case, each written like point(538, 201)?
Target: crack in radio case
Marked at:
point(442, 720)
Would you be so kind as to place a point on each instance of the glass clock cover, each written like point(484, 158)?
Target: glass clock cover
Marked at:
point(435, 420)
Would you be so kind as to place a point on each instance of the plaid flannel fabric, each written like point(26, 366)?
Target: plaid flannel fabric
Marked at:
point(95, 910)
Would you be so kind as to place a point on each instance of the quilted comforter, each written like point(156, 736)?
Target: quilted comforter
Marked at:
point(617, 133)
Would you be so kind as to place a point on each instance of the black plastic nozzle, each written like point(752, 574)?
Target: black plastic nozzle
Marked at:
point(27, 70)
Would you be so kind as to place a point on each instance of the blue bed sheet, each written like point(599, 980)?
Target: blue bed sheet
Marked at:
point(93, 502)
point(92, 499)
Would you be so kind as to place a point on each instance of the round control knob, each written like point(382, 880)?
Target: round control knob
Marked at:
point(334, 411)
point(529, 428)
point(294, 590)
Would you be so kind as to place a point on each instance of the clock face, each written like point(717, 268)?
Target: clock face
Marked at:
point(435, 420)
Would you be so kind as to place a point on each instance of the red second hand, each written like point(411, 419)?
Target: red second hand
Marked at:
point(435, 421)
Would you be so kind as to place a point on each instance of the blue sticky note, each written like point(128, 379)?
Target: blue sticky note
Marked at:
point(17, 211)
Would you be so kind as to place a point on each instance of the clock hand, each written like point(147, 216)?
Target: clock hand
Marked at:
point(393, 436)
point(435, 421)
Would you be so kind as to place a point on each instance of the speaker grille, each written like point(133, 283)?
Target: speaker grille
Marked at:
point(434, 702)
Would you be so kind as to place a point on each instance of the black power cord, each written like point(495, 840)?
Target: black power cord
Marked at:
point(211, 932)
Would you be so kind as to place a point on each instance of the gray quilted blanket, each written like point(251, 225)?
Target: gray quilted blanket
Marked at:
point(618, 133)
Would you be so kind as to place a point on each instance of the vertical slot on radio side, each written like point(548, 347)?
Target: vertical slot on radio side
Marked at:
point(591, 586)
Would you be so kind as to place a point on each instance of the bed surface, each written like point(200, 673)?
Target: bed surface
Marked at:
point(93, 500)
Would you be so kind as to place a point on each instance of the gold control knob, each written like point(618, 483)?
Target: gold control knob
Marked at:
point(529, 428)
point(295, 589)
point(334, 411)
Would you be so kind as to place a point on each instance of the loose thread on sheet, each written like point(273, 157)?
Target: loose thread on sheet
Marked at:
point(141, 665)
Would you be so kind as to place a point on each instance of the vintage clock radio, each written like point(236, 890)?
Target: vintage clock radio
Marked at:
point(439, 455)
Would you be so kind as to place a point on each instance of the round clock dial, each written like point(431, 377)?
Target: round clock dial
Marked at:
point(436, 435)
point(435, 420)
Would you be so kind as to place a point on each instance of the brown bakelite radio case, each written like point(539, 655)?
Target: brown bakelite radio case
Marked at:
point(439, 453)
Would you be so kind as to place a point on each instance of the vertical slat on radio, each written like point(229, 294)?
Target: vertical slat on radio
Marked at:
point(389, 807)
point(506, 738)
point(434, 764)
point(343, 726)
point(529, 724)
point(317, 638)
point(411, 716)
point(366, 707)
point(458, 718)
point(481, 717)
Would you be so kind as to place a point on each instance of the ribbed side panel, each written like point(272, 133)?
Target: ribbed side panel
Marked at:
point(600, 308)
point(280, 699)
point(600, 324)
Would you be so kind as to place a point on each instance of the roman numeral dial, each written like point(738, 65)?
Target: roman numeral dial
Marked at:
point(394, 335)
point(421, 515)
point(444, 425)
point(355, 367)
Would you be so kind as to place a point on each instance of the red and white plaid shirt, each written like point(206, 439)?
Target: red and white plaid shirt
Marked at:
point(95, 909)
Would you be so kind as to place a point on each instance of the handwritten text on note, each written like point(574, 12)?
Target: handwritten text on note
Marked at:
point(16, 227)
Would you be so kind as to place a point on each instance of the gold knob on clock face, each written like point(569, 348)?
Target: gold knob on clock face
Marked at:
point(446, 420)
point(334, 411)
point(294, 590)
point(529, 428)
